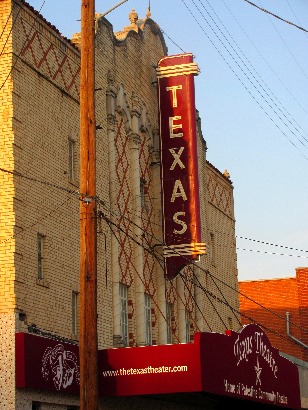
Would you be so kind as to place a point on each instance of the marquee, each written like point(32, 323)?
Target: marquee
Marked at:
point(240, 365)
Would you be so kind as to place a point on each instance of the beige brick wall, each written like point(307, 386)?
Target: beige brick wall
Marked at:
point(40, 114)
point(221, 259)
point(7, 243)
point(45, 119)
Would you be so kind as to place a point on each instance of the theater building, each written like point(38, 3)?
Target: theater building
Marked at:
point(166, 249)
point(283, 304)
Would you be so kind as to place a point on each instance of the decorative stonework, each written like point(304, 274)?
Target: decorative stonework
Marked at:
point(219, 195)
point(135, 24)
point(134, 138)
point(133, 17)
point(49, 55)
point(124, 200)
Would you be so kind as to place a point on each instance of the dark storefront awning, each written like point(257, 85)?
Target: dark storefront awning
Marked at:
point(227, 366)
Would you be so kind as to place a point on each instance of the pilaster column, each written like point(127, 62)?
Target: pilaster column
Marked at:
point(134, 143)
point(111, 120)
point(181, 309)
point(161, 284)
point(199, 301)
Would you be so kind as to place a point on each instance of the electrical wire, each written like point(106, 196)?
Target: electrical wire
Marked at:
point(253, 249)
point(110, 223)
point(271, 244)
point(102, 215)
point(46, 183)
point(223, 300)
point(224, 283)
point(78, 194)
point(255, 75)
point(271, 253)
point(268, 65)
point(172, 41)
point(51, 185)
point(43, 218)
point(206, 271)
point(261, 94)
point(289, 50)
point(275, 15)
point(292, 11)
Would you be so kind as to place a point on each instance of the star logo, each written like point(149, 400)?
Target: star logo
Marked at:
point(258, 370)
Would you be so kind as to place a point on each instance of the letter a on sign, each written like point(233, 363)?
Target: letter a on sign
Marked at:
point(179, 167)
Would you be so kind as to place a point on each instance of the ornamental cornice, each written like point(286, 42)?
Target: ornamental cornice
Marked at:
point(135, 138)
point(155, 158)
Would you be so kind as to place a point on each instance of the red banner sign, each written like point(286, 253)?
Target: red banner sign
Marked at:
point(246, 366)
point(240, 365)
point(48, 364)
point(179, 167)
point(156, 370)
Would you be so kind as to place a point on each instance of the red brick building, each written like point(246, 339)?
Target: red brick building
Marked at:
point(280, 306)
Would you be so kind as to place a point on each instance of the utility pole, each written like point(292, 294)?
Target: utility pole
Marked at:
point(88, 344)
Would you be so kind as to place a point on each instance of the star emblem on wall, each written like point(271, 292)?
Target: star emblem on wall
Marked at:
point(258, 370)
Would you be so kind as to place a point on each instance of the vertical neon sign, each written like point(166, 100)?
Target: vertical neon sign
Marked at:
point(179, 166)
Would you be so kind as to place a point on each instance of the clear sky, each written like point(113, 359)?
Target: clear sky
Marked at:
point(252, 96)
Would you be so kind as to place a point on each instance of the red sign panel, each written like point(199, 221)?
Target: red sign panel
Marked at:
point(246, 366)
point(179, 167)
point(149, 370)
point(240, 365)
point(44, 363)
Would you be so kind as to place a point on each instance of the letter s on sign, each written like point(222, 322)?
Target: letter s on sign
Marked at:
point(178, 221)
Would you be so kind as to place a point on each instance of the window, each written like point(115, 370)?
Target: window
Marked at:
point(124, 313)
point(187, 325)
point(169, 311)
point(40, 256)
point(71, 159)
point(36, 406)
point(74, 313)
point(148, 320)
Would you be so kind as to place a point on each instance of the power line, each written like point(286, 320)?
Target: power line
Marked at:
point(261, 79)
point(267, 63)
point(112, 224)
point(271, 253)
point(61, 188)
point(289, 50)
point(172, 41)
point(198, 267)
point(270, 103)
point(222, 282)
point(152, 252)
point(261, 251)
point(95, 198)
point(275, 15)
point(271, 244)
point(80, 195)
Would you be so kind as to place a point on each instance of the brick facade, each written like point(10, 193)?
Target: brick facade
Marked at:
point(39, 112)
point(268, 302)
